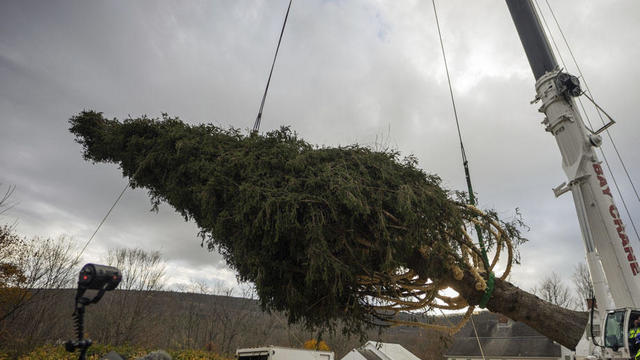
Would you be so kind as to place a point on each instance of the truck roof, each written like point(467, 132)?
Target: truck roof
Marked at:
point(265, 350)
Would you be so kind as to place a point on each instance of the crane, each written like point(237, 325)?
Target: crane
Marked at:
point(612, 263)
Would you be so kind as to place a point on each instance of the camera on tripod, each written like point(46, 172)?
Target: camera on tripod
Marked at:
point(99, 277)
point(102, 278)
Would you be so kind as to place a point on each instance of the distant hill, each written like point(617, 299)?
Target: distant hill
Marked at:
point(168, 319)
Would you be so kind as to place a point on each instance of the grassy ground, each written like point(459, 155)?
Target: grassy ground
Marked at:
point(96, 352)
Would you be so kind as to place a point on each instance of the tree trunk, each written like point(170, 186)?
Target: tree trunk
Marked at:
point(558, 324)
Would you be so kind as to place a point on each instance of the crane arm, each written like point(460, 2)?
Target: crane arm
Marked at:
point(610, 256)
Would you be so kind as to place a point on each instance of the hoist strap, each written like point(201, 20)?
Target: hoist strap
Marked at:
point(488, 291)
point(485, 259)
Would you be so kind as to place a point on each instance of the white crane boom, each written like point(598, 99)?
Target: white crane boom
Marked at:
point(613, 265)
point(602, 229)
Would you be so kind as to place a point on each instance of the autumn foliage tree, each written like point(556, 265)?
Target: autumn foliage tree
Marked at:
point(12, 273)
point(13, 277)
point(314, 344)
point(31, 271)
point(331, 236)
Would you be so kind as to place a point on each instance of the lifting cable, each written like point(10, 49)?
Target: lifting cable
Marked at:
point(77, 258)
point(256, 125)
point(599, 111)
point(474, 331)
point(102, 222)
point(465, 162)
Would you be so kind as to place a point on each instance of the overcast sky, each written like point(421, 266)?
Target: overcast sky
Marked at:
point(349, 71)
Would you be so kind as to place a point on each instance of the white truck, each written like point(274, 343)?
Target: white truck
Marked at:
point(282, 353)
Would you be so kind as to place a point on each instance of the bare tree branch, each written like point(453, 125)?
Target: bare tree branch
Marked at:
point(584, 286)
point(554, 291)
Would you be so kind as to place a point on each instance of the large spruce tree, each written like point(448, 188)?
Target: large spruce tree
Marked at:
point(329, 235)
